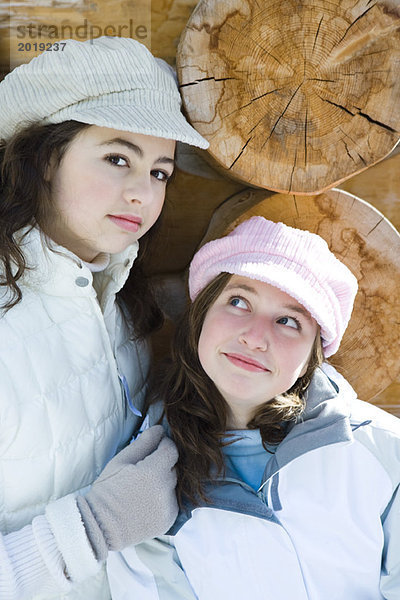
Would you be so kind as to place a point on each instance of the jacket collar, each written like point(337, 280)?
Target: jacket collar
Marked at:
point(325, 421)
point(54, 270)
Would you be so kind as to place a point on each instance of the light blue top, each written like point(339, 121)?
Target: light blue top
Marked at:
point(247, 456)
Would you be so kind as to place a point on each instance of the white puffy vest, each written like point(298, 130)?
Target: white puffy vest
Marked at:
point(63, 413)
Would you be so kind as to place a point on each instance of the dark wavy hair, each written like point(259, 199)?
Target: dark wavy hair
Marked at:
point(196, 411)
point(25, 200)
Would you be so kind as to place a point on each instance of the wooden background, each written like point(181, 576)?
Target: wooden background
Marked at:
point(198, 189)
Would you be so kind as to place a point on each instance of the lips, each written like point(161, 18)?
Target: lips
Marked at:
point(245, 362)
point(127, 222)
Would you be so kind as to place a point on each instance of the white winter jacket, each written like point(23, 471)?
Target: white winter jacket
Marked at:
point(64, 414)
point(324, 524)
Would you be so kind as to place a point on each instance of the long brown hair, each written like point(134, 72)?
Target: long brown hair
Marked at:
point(25, 200)
point(196, 411)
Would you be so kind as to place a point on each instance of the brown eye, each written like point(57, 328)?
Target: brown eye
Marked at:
point(160, 175)
point(117, 160)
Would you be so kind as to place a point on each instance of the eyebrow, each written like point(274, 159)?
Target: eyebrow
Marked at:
point(241, 286)
point(136, 149)
point(299, 309)
point(248, 288)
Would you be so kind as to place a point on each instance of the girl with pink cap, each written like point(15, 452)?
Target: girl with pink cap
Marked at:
point(288, 485)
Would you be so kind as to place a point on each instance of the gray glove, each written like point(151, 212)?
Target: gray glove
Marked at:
point(134, 497)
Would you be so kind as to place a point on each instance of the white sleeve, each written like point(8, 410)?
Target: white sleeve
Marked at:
point(149, 571)
point(48, 556)
point(390, 576)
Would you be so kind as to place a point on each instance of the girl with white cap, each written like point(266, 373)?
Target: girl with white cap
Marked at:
point(88, 134)
point(288, 485)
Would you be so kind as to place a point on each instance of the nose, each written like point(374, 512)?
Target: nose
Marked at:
point(255, 337)
point(138, 188)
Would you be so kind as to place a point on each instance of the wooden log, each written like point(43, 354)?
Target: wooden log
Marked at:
point(168, 19)
point(380, 186)
point(293, 96)
point(190, 204)
point(369, 245)
point(192, 199)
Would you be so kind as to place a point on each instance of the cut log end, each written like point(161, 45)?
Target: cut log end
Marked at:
point(293, 97)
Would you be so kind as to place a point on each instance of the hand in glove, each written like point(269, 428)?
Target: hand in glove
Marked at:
point(134, 497)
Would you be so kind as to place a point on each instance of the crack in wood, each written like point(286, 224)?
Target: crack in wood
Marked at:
point(361, 114)
point(323, 80)
point(362, 159)
point(375, 52)
point(363, 72)
point(348, 136)
point(281, 115)
point(305, 137)
point(256, 43)
point(371, 120)
point(317, 34)
point(256, 125)
point(337, 105)
point(347, 150)
point(240, 154)
point(292, 173)
point(211, 29)
point(251, 102)
point(375, 226)
point(217, 79)
point(354, 22)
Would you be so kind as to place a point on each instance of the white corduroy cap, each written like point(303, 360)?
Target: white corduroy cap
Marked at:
point(295, 261)
point(109, 81)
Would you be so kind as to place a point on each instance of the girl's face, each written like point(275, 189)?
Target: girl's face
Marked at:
point(255, 343)
point(108, 190)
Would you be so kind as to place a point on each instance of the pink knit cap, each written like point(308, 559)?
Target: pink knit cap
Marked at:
point(295, 261)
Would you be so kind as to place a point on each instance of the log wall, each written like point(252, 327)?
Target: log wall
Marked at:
point(192, 198)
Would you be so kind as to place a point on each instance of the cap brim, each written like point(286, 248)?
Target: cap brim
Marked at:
point(146, 121)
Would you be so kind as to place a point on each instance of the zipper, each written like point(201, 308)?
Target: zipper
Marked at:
point(112, 361)
point(128, 403)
